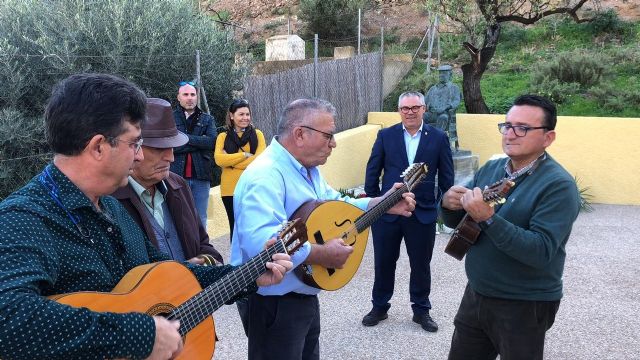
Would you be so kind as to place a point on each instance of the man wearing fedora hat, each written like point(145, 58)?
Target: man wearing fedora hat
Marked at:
point(159, 200)
point(62, 233)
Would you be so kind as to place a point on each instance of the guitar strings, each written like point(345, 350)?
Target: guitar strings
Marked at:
point(199, 307)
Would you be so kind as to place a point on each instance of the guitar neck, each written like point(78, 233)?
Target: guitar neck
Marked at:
point(205, 303)
point(370, 216)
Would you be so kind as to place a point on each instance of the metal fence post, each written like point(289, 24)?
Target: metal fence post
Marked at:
point(381, 68)
point(315, 65)
point(359, 27)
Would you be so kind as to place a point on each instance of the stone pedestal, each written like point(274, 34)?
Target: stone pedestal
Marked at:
point(465, 166)
point(284, 47)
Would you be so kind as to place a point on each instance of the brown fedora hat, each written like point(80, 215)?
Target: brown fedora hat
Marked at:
point(159, 129)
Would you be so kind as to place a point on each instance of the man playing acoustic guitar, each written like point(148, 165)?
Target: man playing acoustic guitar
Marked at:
point(61, 233)
point(284, 320)
point(515, 266)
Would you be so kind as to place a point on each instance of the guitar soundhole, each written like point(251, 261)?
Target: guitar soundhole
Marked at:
point(161, 309)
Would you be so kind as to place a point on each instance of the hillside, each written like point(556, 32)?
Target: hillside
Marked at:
point(259, 19)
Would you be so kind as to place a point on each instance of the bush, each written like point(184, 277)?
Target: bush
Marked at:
point(331, 19)
point(555, 90)
point(569, 74)
point(614, 98)
point(573, 67)
point(150, 42)
point(609, 23)
point(23, 149)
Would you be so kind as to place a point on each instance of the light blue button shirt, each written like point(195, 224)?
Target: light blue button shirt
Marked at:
point(269, 191)
point(411, 142)
point(153, 204)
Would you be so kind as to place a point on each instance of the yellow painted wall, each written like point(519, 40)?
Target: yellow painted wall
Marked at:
point(346, 166)
point(600, 151)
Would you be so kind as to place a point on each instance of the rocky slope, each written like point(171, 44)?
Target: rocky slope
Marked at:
point(258, 19)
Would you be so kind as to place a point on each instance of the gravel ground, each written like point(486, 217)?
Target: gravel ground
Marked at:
point(595, 320)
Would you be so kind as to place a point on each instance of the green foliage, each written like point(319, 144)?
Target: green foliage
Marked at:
point(347, 192)
point(586, 69)
point(224, 15)
point(615, 98)
point(274, 25)
point(23, 149)
point(331, 19)
point(568, 74)
point(499, 90)
point(609, 23)
point(586, 197)
point(555, 90)
point(417, 80)
point(150, 42)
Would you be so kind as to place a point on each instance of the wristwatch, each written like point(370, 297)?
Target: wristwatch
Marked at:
point(484, 225)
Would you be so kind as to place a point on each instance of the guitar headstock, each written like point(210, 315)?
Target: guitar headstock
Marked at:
point(293, 235)
point(494, 194)
point(412, 175)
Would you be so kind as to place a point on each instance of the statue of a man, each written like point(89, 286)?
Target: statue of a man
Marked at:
point(442, 101)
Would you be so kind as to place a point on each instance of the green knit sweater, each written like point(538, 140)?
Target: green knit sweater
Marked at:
point(521, 254)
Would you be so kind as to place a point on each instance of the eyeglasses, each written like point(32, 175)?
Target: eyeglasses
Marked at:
point(519, 130)
point(414, 109)
point(135, 145)
point(183, 83)
point(326, 135)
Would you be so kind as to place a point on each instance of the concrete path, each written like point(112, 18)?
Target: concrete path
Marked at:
point(596, 318)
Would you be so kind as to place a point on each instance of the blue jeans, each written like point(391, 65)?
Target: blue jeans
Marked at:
point(200, 191)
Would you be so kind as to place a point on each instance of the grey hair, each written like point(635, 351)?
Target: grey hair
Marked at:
point(299, 112)
point(411, 94)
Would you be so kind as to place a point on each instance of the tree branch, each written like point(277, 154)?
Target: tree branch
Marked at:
point(528, 20)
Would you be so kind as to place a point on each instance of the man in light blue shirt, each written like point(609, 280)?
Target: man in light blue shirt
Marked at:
point(281, 179)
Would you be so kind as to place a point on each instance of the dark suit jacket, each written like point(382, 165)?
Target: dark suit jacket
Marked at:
point(193, 236)
point(389, 155)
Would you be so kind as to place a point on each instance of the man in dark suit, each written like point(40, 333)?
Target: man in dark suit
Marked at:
point(395, 149)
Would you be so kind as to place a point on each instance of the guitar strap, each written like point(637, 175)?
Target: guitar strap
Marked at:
point(519, 176)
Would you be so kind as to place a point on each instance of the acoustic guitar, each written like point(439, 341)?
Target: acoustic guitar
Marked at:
point(467, 232)
point(170, 289)
point(326, 220)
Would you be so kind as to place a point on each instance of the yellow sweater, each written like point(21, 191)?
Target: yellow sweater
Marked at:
point(234, 164)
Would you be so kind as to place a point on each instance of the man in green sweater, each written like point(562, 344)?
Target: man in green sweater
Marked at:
point(515, 267)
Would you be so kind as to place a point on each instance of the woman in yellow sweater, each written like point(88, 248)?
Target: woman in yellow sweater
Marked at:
point(235, 150)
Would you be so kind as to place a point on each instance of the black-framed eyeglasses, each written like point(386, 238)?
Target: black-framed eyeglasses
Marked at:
point(326, 135)
point(183, 83)
point(519, 130)
point(135, 145)
point(414, 109)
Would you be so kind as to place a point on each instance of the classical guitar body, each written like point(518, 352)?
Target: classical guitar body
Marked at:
point(171, 290)
point(467, 232)
point(154, 289)
point(465, 235)
point(326, 220)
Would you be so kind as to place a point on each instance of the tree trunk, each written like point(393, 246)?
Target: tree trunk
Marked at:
point(472, 72)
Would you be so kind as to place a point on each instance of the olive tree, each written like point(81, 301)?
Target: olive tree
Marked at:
point(481, 21)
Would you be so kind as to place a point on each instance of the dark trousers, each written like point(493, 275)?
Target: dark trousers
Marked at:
point(486, 327)
point(284, 327)
point(418, 239)
point(227, 201)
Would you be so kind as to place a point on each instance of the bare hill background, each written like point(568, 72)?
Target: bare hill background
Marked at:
point(260, 19)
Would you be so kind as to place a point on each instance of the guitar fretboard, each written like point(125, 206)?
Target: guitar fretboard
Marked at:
point(370, 216)
point(205, 303)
